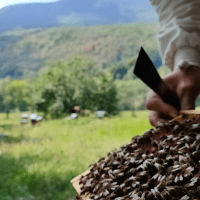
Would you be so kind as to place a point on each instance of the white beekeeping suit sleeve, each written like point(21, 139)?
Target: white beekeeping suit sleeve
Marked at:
point(179, 36)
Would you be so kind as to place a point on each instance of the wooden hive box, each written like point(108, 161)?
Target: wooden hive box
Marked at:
point(185, 114)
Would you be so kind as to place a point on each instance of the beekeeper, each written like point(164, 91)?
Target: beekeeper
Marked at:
point(179, 46)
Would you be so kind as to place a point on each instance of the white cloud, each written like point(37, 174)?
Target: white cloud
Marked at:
point(78, 19)
point(142, 9)
point(72, 19)
point(4, 3)
point(147, 16)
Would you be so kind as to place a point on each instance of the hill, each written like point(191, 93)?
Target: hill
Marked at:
point(24, 52)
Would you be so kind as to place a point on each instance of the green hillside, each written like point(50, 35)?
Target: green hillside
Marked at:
point(105, 44)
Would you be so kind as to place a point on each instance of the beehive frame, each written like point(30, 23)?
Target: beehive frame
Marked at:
point(75, 183)
point(185, 114)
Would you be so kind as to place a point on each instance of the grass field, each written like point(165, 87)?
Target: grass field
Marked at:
point(37, 163)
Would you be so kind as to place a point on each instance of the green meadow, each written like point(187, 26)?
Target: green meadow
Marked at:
point(37, 163)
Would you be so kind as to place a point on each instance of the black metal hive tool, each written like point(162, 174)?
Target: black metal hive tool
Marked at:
point(146, 71)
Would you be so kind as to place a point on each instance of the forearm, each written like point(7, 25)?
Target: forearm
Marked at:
point(179, 37)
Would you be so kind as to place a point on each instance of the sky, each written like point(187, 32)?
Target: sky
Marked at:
point(4, 3)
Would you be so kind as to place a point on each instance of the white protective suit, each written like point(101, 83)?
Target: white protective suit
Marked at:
point(179, 36)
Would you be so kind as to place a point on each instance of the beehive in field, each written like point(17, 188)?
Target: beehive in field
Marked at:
point(163, 163)
point(24, 119)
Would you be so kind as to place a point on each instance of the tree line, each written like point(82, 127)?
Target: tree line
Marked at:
point(77, 81)
point(60, 86)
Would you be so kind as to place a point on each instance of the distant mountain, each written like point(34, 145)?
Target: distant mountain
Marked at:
point(75, 13)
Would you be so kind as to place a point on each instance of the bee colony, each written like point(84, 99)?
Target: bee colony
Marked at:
point(163, 163)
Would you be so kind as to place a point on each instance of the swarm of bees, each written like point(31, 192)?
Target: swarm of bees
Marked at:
point(163, 163)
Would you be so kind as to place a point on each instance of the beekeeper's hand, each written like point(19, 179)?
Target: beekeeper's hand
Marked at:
point(186, 83)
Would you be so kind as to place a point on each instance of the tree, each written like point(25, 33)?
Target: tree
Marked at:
point(14, 95)
point(123, 69)
point(75, 82)
point(7, 99)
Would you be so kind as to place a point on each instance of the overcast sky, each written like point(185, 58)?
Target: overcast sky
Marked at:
point(4, 3)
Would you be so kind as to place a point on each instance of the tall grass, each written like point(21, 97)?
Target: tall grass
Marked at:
point(39, 162)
